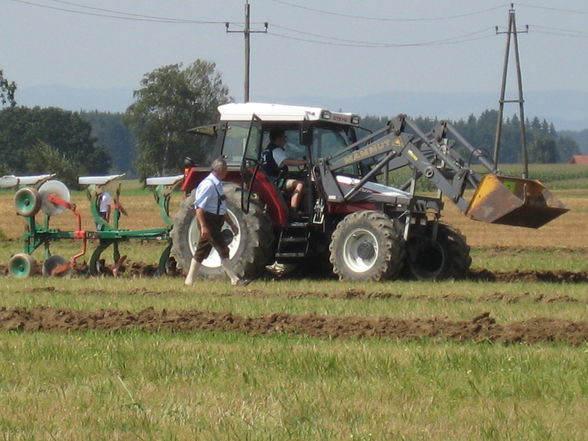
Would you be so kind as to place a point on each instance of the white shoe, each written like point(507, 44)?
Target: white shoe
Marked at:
point(241, 282)
point(194, 267)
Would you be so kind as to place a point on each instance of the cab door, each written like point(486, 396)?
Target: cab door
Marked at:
point(250, 163)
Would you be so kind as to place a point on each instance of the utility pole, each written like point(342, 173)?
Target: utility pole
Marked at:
point(247, 31)
point(512, 32)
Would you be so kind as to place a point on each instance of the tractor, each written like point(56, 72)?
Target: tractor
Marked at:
point(352, 223)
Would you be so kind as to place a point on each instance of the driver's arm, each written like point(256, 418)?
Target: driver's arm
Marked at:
point(294, 162)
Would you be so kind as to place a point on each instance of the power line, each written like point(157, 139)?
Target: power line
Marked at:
point(327, 43)
point(549, 8)
point(121, 15)
point(560, 31)
point(561, 34)
point(389, 19)
point(247, 31)
point(77, 5)
point(370, 44)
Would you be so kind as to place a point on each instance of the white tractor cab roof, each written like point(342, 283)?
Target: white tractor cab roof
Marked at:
point(283, 113)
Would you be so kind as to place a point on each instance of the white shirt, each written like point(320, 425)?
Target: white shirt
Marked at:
point(279, 156)
point(207, 195)
point(105, 202)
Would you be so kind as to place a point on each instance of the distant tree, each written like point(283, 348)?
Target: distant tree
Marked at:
point(116, 138)
point(171, 101)
point(481, 131)
point(23, 130)
point(580, 137)
point(543, 150)
point(374, 123)
point(7, 89)
point(566, 147)
point(43, 158)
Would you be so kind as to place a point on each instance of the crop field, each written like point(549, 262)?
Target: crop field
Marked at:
point(500, 355)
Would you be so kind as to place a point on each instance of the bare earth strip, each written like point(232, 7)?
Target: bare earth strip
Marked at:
point(482, 328)
point(140, 269)
point(346, 294)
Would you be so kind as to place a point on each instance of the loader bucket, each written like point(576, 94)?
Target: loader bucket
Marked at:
point(514, 201)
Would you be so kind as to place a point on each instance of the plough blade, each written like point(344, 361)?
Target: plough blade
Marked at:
point(62, 270)
point(514, 201)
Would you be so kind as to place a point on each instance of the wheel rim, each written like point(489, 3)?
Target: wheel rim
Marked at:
point(20, 266)
point(213, 260)
point(26, 201)
point(360, 250)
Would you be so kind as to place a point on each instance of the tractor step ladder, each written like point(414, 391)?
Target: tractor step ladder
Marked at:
point(294, 241)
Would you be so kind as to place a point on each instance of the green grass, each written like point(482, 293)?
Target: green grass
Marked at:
point(230, 387)
point(318, 297)
point(538, 259)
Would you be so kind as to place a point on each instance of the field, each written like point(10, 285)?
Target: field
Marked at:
point(498, 356)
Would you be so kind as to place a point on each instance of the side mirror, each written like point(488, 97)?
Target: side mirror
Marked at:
point(305, 134)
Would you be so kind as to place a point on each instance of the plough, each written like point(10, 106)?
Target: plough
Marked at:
point(44, 194)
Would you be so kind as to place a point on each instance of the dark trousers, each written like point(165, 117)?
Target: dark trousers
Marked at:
point(215, 223)
point(99, 227)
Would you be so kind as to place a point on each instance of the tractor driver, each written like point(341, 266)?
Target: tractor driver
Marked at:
point(274, 162)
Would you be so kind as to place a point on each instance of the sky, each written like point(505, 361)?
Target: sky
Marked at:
point(321, 48)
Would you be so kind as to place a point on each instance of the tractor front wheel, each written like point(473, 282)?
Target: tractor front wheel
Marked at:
point(249, 250)
point(366, 246)
point(446, 257)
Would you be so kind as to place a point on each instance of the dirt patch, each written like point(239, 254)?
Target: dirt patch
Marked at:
point(94, 291)
point(359, 294)
point(348, 294)
point(529, 276)
point(502, 251)
point(142, 269)
point(481, 328)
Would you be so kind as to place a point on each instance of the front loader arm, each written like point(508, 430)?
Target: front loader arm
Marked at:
point(434, 156)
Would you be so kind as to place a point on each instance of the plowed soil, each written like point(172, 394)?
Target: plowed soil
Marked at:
point(140, 269)
point(346, 294)
point(482, 328)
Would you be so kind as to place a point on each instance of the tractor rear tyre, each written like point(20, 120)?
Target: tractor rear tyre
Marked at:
point(445, 258)
point(367, 246)
point(250, 250)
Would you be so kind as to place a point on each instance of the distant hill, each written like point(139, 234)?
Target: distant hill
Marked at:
point(76, 99)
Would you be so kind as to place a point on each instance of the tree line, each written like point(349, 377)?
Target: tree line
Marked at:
point(150, 138)
point(544, 143)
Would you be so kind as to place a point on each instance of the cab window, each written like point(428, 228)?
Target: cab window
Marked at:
point(331, 140)
point(234, 143)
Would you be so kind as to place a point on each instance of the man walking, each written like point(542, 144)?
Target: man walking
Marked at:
point(211, 213)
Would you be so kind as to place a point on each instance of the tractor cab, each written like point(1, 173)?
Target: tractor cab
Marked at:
point(311, 133)
point(242, 133)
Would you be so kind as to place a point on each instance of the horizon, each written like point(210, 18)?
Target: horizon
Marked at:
point(335, 51)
